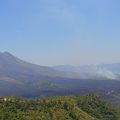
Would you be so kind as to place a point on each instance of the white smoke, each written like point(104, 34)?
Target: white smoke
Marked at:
point(102, 71)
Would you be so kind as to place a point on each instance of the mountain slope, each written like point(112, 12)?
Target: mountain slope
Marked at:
point(18, 77)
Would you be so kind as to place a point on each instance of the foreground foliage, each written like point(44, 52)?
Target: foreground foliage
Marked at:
point(88, 107)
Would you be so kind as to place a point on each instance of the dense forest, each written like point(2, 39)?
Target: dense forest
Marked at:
point(87, 107)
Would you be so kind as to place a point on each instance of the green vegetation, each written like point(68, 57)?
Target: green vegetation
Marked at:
point(88, 107)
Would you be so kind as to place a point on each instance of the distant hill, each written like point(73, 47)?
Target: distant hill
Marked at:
point(88, 107)
point(105, 71)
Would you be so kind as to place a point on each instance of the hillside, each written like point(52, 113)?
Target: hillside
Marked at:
point(88, 107)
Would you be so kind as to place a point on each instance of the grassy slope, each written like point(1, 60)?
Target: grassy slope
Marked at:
point(88, 107)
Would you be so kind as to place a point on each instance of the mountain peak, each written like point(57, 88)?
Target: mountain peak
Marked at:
point(7, 58)
point(6, 53)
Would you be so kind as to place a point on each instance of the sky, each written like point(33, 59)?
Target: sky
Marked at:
point(60, 32)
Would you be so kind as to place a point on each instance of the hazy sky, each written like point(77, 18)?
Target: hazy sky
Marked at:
point(51, 32)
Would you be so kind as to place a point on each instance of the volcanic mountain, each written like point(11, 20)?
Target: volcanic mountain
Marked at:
point(18, 76)
point(15, 68)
